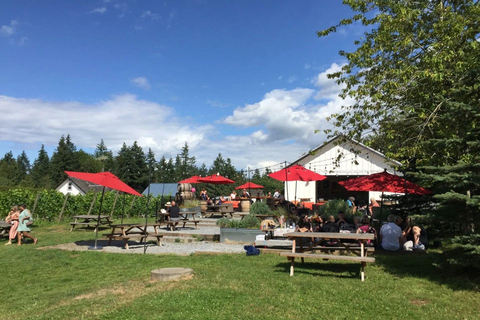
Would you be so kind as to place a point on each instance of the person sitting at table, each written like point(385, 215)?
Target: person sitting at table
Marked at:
point(209, 201)
point(411, 232)
point(233, 194)
point(245, 194)
point(304, 224)
point(276, 195)
point(342, 221)
point(330, 225)
point(203, 194)
point(220, 200)
point(23, 230)
point(269, 194)
point(174, 214)
point(373, 204)
point(391, 238)
point(12, 218)
point(351, 204)
point(367, 228)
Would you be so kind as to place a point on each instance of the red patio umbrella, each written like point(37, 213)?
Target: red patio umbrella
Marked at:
point(192, 179)
point(107, 180)
point(216, 179)
point(383, 182)
point(250, 185)
point(296, 173)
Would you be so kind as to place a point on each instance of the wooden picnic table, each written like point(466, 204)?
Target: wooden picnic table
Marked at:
point(359, 247)
point(223, 209)
point(130, 231)
point(184, 219)
point(90, 220)
point(4, 228)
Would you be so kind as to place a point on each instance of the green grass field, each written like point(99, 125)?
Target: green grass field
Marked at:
point(53, 284)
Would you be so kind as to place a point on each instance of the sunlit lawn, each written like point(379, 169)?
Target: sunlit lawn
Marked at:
point(55, 284)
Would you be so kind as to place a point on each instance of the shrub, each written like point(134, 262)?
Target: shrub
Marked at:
point(332, 207)
point(260, 208)
point(465, 251)
point(190, 203)
point(250, 222)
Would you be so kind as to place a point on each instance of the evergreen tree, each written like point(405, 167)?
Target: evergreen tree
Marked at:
point(23, 167)
point(203, 171)
point(179, 169)
point(8, 170)
point(161, 173)
point(414, 79)
point(151, 165)
point(105, 156)
point(63, 158)
point(170, 172)
point(41, 170)
point(88, 162)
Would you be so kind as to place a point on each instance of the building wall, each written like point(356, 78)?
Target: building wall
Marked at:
point(351, 164)
point(64, 188)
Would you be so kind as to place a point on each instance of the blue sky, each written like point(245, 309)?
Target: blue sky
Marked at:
point(243, 78)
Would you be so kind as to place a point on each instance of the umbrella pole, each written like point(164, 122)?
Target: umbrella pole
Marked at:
point(98, 223)
point(295, 190)
point(146, 213)
point(286, 182)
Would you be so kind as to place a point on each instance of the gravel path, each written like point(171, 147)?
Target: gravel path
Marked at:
point(166, 248)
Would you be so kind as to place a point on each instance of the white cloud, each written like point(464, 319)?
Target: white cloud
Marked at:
point(329, 89)
point(123, 118)
point(122, 8)
point(100, 10)
point(217, 104)
point(149, 14)
point(292, 79)
point(141, 82)
point(8, 30)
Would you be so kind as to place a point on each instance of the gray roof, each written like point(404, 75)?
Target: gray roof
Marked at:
point(156, 189)
point(83, 185)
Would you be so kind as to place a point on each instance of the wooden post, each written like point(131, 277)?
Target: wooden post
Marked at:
point(114, 203)
point(63, 207)
point(35, 204)
point(93, 202)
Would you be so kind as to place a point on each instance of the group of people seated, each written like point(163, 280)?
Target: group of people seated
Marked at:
point(366, 210)
point(398, 234)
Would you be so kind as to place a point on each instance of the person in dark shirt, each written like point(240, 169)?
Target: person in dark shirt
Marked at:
point(330, 226)
point(174, 214)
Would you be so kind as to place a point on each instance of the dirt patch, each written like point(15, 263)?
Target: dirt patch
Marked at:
point(419, 302)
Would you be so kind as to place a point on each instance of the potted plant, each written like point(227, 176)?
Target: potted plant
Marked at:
point(191, 205)
point(244, 230)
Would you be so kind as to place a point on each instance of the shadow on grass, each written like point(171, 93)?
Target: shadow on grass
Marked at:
point(317, 268)
point(430, 265)
point(115, 243)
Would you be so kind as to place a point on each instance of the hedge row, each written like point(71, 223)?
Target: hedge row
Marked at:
point(50, 202)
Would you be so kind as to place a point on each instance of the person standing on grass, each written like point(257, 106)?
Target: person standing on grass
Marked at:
point(22, 225)
point(13, 219)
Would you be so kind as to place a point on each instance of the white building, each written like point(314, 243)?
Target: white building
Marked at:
point(76, 186)
point(338, 161)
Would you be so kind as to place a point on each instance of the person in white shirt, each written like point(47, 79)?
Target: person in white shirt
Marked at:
point(391, 235)
point(276, 195)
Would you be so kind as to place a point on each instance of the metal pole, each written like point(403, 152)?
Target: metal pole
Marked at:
point(286, 182)
point(146, 212)
point(98, 223)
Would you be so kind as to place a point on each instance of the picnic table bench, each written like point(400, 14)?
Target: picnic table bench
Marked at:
point(223, 209)
point(128, 232)
point(4, 228)
point(362, 250)
point(91, 220)
point(184, 219)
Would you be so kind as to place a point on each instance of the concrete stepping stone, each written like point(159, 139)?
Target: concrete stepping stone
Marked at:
point(167, 274)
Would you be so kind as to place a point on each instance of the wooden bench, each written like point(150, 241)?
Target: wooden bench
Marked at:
point(291, 257)
point(171, 224)
point(88, 224)
point(134, 235)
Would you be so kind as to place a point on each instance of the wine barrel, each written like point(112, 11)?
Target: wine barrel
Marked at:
point(187, 195)
point(203, 206)
point(245, 205)
point(181, 187)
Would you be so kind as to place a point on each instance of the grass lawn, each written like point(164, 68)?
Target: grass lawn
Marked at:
point(55, 284)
